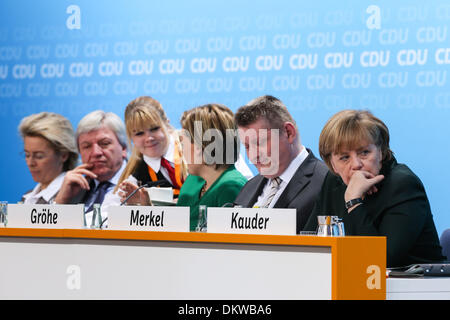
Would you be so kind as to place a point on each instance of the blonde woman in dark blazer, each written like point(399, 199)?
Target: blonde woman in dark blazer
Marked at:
point(371, 192)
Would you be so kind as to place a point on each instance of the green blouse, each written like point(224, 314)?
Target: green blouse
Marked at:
point(224, 190)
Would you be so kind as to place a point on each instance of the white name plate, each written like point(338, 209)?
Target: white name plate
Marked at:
point(147, 218)
point(48, 216)
point(252, 221)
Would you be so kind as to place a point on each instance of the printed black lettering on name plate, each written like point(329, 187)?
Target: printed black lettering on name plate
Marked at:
point(146, 220)
point(254, 222)
point(44, 217)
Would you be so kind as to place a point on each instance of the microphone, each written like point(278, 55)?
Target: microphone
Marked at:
point(160, 183)
point(231, 205)
point(228, 205)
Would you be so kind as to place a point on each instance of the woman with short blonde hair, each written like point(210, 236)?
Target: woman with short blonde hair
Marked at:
point(50, 150)
point(211, 147)
point(211, 127)
point(371, 192)
point(347, 129)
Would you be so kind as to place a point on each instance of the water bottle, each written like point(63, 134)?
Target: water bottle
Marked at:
point(330, 226)
point(4, 213)
point(202, 219)
point(96, 217)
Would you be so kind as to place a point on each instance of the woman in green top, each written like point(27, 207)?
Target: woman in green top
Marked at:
point(210, 147)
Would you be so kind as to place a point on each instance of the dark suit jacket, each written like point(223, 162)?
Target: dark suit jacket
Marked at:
point(82, 196)
point(300, 193)
point(399, 210)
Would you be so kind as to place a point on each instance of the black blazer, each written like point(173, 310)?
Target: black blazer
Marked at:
point(400, 211)
point(300, 193)
point(141, 173)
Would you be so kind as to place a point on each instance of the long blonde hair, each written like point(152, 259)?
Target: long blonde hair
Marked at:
point(143, 113)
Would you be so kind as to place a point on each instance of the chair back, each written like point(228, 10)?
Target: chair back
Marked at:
point(445, 243)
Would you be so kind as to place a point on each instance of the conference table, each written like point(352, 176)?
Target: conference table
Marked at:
point(112, 264)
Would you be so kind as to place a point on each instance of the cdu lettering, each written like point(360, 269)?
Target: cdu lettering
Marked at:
point(286, 41)
point(81, 69)
point(249, 84)
point(338, 60)
point(52, 70)
point(374, 58)
point(411, 57)
point(219, 44)
point(284, 83)
point(250, 43)
point(140, 67)
point(320, 81)
point(24, 71)
point(234, 64)
point(303, 61)
point(171, 66)
point(110, 68)
point(392, 79)
point(436, 78)
point(202, 65)
point(156, 86)
point(267, 63)
point(321, 39)
point(66, 50)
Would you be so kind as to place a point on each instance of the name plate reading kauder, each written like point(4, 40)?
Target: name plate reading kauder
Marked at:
point(252, 221)
point(147, 218)
point(46, 216)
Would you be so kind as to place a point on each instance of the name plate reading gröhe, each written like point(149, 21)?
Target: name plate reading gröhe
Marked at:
point(47, 216)
point(147, 218)
point(252, 221)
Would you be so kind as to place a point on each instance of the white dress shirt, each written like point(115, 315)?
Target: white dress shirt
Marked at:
point(155, 163)
point(48, 194)
point(285, 177)
point(243, 168)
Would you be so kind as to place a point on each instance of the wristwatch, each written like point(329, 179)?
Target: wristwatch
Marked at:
point(352, 202)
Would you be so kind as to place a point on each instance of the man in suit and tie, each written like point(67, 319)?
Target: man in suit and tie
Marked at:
point(102, 143)
point(290, 176)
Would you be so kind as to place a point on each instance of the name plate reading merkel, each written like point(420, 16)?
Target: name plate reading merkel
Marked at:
point(146, 218)
point(46, 216)
point(252, 221)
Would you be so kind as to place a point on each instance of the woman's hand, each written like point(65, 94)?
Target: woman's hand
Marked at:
point(139, 198)
point(360, 184)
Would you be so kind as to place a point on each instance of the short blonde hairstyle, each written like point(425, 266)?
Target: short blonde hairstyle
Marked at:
point(54, 128)
point(217, 117)
point(349, 129)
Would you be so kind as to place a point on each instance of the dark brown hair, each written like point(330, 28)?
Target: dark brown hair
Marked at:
point(267, 107)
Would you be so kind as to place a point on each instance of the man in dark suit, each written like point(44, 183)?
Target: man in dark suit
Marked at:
point(101, 141)
point(289, 174)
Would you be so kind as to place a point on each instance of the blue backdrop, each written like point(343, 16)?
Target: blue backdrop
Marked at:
point(319, 57)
